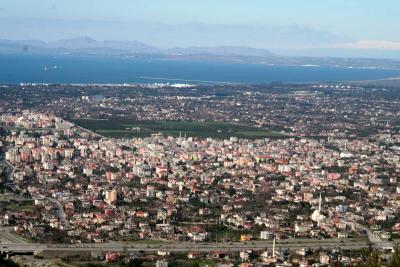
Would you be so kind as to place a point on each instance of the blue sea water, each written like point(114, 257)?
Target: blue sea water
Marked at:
point(89, 69)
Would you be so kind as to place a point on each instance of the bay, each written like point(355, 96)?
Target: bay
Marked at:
point(23, 68)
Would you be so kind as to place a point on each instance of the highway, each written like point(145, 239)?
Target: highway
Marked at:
point(186, 246)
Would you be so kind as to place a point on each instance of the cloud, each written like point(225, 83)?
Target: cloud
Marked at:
point(370, 44)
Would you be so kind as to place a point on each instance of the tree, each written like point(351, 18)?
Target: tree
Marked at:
point(231, 191)
point(374, 259)
point(7, 263)
point(135, 263)
point(395, 259)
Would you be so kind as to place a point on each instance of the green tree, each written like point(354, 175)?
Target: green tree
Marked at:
point(395, 259)
point(7, 263)
point(374, 259)
point(135, 263)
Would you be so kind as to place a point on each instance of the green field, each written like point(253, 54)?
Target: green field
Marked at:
point(222, 130)
point(26, 205)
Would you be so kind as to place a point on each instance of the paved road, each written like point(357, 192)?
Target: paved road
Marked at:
point(185, 246)
point(7, 236)
point(11, 174)
point(89, 131)
point(376, 240)
point(60, 209)
point(9, 168)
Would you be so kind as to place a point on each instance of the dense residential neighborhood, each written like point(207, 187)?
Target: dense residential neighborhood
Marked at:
point(68, 184)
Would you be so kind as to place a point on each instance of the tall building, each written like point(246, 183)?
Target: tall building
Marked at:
point(111, 196)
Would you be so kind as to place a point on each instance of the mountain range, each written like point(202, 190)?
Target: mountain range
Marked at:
point(88, 46)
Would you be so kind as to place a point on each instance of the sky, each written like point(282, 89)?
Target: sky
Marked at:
point(288, 26)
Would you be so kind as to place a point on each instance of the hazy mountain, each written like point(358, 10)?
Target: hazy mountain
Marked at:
point(81, 45)
point(87, 45)
point(11, 46)
point(222, 51)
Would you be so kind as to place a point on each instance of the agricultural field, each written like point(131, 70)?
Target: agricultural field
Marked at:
point(221, 130)
point(14, 205)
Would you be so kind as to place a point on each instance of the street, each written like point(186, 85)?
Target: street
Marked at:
point(186, 246)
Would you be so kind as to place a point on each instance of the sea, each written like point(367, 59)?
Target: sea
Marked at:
point(25, 68)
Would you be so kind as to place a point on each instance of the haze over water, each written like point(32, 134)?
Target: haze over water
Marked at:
point(74, 69)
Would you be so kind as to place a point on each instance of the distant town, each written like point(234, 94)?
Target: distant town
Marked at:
point(200, 175)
